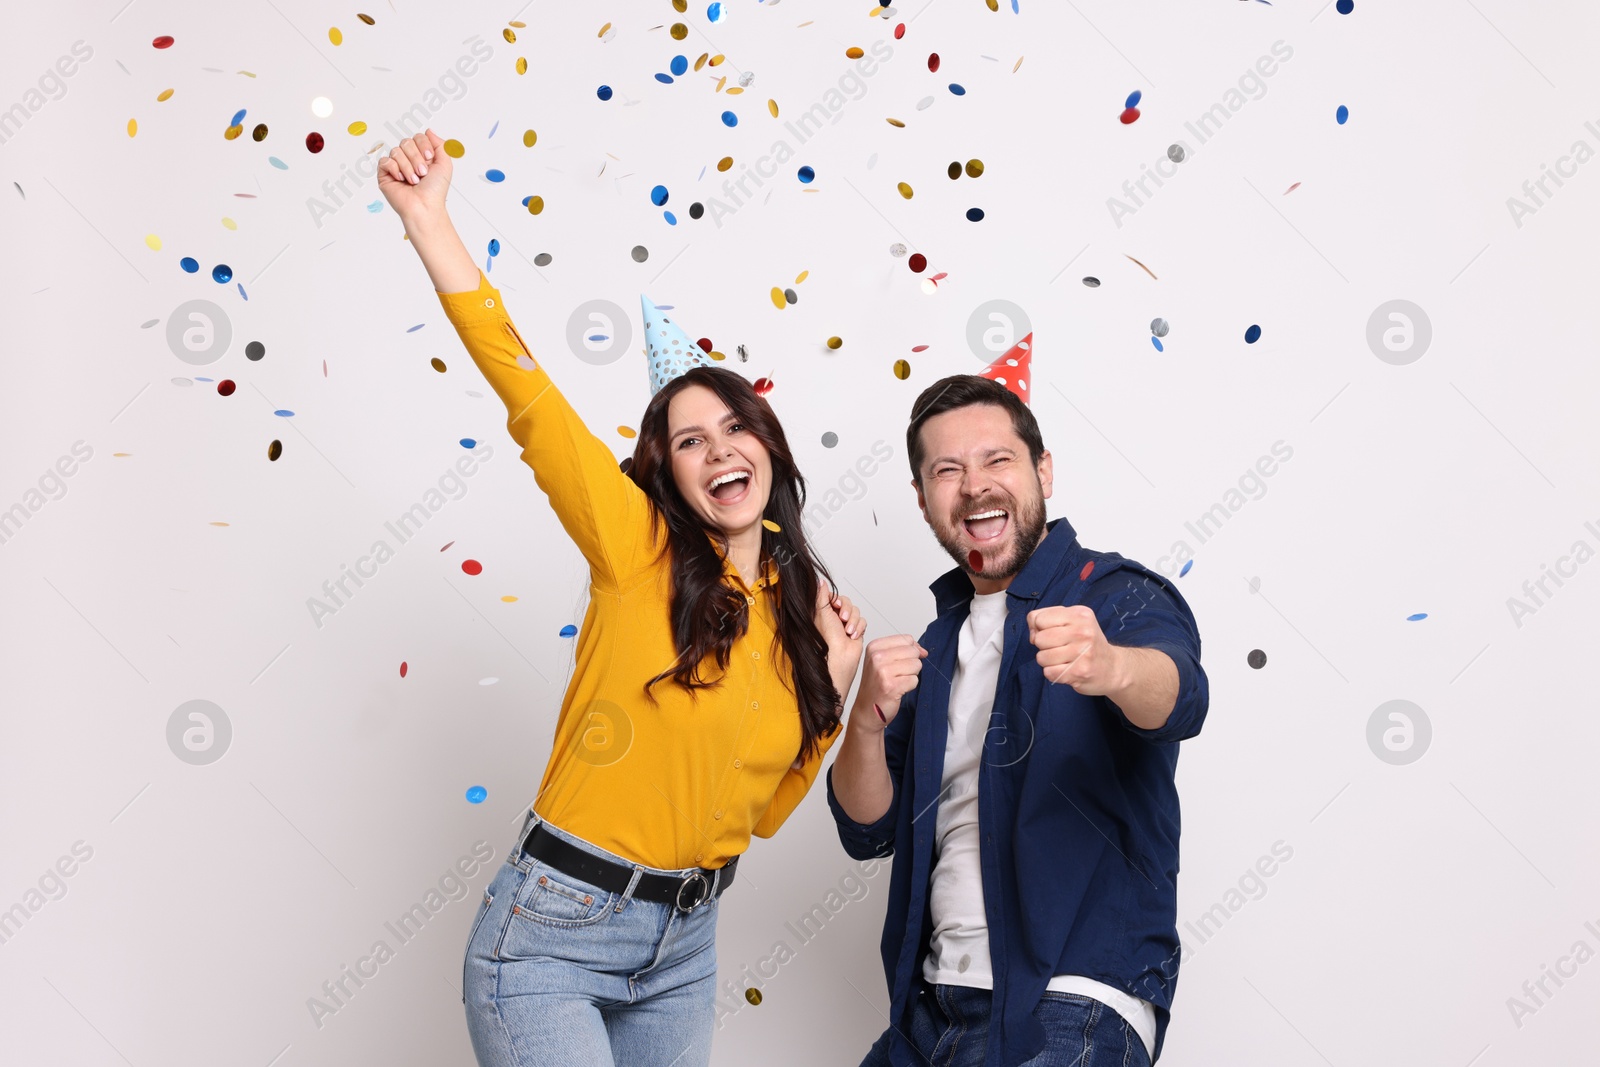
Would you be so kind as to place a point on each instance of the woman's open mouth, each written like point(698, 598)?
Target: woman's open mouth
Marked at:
point(987, 527)
point(729, 488)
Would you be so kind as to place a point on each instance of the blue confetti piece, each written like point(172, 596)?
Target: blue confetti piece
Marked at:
point(1157, 342)
point(1344, 7)
point(672, 220)
point(1190, 563)
point(597, 337)
point(1418, 617)
point(276, 162)
point(494, 246)
point(200, 379)
point(1014, 10)
point(284, 413)
point(1134, 98)
point(189, 264)
point(730, 119)
point(493, 128)
point(242, 293)
point(469, 442)
point(417, 327)
point(680, 65)
point(1342, 115)
point(477, 795)
point(1252, 335)
point(495, 175)
point(716, 12)
point(664, 79)
point(569, 630)
point(702, 174)
point(807, 175)
point(665, 307)
point(604, 92)
point(957, 89)
point(238, 117)
point(974, 214)
point(375, 207)
point(222, 274)
point(658, 195)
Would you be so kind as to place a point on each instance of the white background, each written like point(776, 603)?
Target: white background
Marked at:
point(219, 898)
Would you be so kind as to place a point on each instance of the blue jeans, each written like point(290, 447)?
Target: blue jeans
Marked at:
point(560, 971)
point(950, 1028)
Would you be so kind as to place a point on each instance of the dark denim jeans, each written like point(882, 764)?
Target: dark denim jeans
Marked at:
point(950, 1028)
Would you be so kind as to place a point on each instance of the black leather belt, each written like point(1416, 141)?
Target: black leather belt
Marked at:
point(686, 893)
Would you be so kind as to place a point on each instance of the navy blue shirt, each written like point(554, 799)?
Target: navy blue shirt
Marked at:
point(1077, 808)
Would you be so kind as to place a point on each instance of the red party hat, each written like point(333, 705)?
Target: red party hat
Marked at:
point(1012, 370)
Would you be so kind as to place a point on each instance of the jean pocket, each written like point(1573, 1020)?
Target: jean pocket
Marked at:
point(558, 899)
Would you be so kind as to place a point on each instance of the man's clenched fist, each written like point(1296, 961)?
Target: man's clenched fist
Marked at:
point(1073, 650)
point(892, 666)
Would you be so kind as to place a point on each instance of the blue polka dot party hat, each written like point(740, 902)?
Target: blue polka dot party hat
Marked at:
point(668, 348)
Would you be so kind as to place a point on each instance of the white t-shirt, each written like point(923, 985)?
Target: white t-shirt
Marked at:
point(958, 953)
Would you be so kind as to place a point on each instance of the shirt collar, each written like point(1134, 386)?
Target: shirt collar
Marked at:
point(954, 587)
point(769, 569)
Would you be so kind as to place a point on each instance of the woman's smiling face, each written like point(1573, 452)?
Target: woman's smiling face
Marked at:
point(722, 471)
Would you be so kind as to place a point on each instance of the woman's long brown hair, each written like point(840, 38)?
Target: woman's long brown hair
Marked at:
point(708, 615)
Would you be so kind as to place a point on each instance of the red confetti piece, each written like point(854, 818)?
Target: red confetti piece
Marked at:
point(225, 387)
point(1291, 188)
point(472, 566)
point(402, 668)
point(313, 143)
point(941, 276)
point(933, 61)
point(704, 343)
point(1129, 115)
point(763, 386)
point(447, 546)
point(1088, 569)
point(162, 42)
point(919, 348)
point(975, 560)
point(899, 31)
point(918, 263)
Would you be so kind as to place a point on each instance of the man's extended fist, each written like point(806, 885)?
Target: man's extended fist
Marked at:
point(1074, 650)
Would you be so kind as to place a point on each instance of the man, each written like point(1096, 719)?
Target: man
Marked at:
point(1017, 761)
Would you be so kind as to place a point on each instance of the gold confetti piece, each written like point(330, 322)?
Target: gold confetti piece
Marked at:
point(702, 60)
point(905, 190)
point(115, 454)
point(778, 300)
point(679, 31)
point(529, 138)
point(511, 38)
point(1018, 65)
point(974, 168)
point(718, 356)
point(725, 162)
point(902, 369)
point(804, 24)
point(437, 364)
point(896, 123)
point(232, 132)
point(875, 12)
point(772, 106)
point(753, 995)
point(133, 127)
point(357, 129)
point(508, 599)
point(522, 65)
point(335, 36)
point(246, 73)
point(166, 94)
point(774, 527)
point(1147, 270)
point(628, 432)
point(229, 223)
point(603, 30)
point(219, 524)
point(735, 91)
point(368, 19)
point(680, 6)
point(803, 275)
point(853, 53)
point(994, 5)
point(535, 204)
point(153, 242)
point(720, 83)
point(454, 148)
point(835, 343)
point(518, 25)
point(716, 60)
point(274, 450)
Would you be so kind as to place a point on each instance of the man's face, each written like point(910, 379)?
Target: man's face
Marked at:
point(980, 493)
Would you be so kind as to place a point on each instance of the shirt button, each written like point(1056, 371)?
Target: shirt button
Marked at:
point(698, 856)
point(755, 706)
point(755, 655)
point(737, 764)
point(717, 814)
point(489, 303)
point(750, 600)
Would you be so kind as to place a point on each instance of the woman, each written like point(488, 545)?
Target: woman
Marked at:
point(711, 670)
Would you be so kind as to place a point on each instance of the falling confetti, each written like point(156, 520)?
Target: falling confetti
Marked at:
point(1252, 335)
point(1142, 267)
point(604, 92)
point(403, 668)
point(905, 190)
point(835, 343)
point(274, 450)
point(1256, 658)
point(1159, 327)
point(918, 263)
point(830, 439)
point(975, 561)
point(254, 350)
point(762, 386)
point(1291, 188)
point(770, 525)
point(162, 42)
point(1088, 569)
point(471, 566)
point(640, 253)
point(1092, 282)
point(569, 630)
point(477, 794)
point(753, 995)
point(902, 369)
point(1418, 617)
point(1175, 153)
point(1185, 569)
point(1344, 7)
point(1129, 116)
point(1342, 115)
point(974, 214)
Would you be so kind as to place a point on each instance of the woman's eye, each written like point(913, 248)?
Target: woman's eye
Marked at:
point(687, 441)
point(736, 427)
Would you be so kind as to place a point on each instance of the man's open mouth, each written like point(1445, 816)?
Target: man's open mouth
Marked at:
point(986, 527)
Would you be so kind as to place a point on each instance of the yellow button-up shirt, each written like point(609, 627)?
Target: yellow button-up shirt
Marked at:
point(683, 782)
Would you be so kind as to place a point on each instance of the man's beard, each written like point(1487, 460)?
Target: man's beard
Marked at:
point(1027, 530)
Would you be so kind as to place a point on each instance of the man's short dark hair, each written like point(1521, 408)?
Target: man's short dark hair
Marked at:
point(964, 390)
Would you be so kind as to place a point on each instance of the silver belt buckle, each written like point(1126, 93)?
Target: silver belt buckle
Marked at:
point(705, 891)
